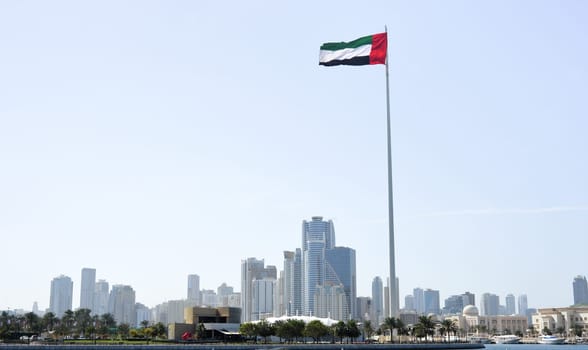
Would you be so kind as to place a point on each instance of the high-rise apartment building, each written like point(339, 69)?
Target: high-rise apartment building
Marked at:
point(469, 299)
point(288, 282)
point(419, 300)
point(61, 295)
point(453, 305)
point(87, 289)
point(377, 315)
point(194, 290)
point(580, 290)
point(324, 264)
point(121, 304)
point(340, 270)
point(263, 298)
point(252, 269)
point(523, 305)
point(296, 307)
point(490, 304)
point(224, 292)
point(364, 308)
point(431, 298)
point(101, 295)
point(209, 298)
point(510, 305)
point(317, 236)
point(330, 300)
point(175, 310)
point(409, 303)
point(143, 314)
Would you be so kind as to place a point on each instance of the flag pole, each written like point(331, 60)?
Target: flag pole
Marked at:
point(393, 285)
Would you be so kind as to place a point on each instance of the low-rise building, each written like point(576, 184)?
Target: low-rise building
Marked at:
point(219, 323)
point(470, 321)
point(568, 319)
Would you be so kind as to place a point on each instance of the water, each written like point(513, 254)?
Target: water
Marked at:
point(536, 347)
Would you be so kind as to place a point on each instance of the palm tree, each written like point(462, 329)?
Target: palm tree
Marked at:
point(426, 324)
point(32, 322)
point(390, 324)
point(67, 322)
point(352, 330)
point(448, 326)
point(368, 329)
point(340, 330)
point(83, 320)
point(49, 320)
point(402, 330)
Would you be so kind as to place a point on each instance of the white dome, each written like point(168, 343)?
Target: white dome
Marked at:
point(470, 310)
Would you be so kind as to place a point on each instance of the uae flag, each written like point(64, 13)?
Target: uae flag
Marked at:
point(363, 51)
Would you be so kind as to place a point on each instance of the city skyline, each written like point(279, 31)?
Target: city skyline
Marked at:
point(125, 144)
point(422, 301)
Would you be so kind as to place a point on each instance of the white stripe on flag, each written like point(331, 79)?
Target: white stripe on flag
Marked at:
point(344, 54)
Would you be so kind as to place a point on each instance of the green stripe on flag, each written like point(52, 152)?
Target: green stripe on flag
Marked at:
point(366, 40)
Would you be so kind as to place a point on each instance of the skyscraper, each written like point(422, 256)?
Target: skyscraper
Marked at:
point(330, 300)
point(510, 304)
point(454, 305)
point(377, 312)
point(296, 308)
point(121, 304)
point(363, 307)
point(317, 236)
point(469, 299)
point(61, 295)
point(340, 270)
point(288, 281)
point(419, 300)
point(523, 305)
point(87, 288)
point(194, 290)
point(101, 290)
point(431, 298)
point(262, 298)
point(224, 292)
point(252, 269)
point(580, 290)
point(489, 305)
point(409, 303)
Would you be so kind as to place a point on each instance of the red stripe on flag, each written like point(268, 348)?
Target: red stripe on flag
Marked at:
point(379, 48)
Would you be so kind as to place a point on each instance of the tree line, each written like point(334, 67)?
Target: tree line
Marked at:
point(76, 324)
point(293, 330)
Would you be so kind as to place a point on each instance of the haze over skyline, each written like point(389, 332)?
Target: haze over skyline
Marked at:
point(151, 140)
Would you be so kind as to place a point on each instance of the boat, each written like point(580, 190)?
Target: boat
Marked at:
point(480, 339)
point(506, 339)
point(550, 339)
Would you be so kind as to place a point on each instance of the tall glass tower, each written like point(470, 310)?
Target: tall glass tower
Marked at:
point(61, 295)
point(317, 236)
point(510, 304)
point(377, 301)
point(87, 289)
point(523, 304)
point(580, 290)
point(340, 269)
point(194, 289)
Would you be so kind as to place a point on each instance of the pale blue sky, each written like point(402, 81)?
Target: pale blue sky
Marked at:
point(155, 139)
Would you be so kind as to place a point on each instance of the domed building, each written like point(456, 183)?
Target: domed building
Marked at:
point(470, 310)
point(471, 322)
